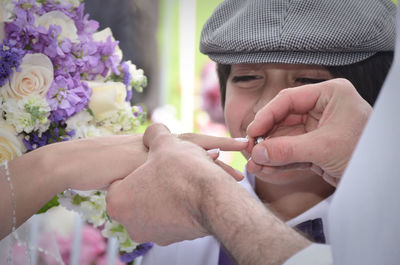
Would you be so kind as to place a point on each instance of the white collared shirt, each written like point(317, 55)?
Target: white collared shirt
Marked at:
point(320, 210)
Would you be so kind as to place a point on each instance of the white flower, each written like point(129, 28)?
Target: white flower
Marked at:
point(35, 77)
point(114, 229)
point(66, 199)
point(81, 124)
point(138, 79)
point(10, 144)
point(85, 193)
point(68, 28)
point(92, 208)
point(106, 98)
point(103, 35)
point(123, 120)
point(28, 114)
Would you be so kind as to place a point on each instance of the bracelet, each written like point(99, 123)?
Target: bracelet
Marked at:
point(14, 205)
point(13, 197)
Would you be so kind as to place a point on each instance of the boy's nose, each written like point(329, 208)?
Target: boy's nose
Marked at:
point(263, 100)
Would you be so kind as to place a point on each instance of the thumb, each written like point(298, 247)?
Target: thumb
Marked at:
point(279, 151)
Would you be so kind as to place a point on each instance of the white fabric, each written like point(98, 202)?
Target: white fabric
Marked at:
point(365, 210)
point(315, 254)
point(319, 210)
point(202, 251)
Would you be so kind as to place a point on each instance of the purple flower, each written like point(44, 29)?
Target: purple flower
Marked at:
point(10, 59)
point(139, 251)
point(56, 133)
point(126, 79)
point(67, 96)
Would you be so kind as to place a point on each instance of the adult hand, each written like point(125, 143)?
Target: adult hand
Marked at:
point(180, 194)
point(106, 159)
point(160, 201)
point(318, 127)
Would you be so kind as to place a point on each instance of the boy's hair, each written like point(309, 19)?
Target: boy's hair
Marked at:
point(367, 76)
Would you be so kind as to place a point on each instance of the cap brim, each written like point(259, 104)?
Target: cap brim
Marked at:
point(313, 58)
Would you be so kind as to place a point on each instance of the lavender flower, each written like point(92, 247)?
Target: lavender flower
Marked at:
point(67, 96)
point(140, 250)
point(126, 79)
point(10, 59)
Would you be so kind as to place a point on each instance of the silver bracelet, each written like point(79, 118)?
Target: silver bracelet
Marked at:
point(14, 205)
point(13, 197)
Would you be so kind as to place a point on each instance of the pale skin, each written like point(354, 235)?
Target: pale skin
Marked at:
point(249, 88)
point(184, 195)
point(84, 164)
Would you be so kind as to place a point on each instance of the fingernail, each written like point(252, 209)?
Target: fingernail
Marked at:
point(213, 151)
point(260, 155)
point(242, 140)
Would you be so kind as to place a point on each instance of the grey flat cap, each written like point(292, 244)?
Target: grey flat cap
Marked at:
point(323, 32)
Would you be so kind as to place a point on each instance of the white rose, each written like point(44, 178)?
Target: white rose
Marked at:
point(106, 98)
point(103, 35)
point(35, 77)
point(10, 144)
point(68, 29)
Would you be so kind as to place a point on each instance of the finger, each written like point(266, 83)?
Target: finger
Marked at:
point(154, 132)
point(213, 153)
point(231, 171)
point(253, 167)
point(211, 142)
point(298, 100)
point(331, 180)
point(285, 150)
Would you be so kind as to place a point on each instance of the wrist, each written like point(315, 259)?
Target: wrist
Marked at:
point(247, 229)
point(50, 169)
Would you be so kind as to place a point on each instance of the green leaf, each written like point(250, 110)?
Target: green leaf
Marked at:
point(52, 203)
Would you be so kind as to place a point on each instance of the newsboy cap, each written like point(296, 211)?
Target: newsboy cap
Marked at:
point(322, 32)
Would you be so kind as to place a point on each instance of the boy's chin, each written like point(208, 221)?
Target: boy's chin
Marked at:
point(288, 177)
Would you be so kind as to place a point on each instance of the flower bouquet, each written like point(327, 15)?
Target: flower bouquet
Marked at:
point(62, 79)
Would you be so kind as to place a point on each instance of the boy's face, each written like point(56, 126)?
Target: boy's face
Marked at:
point(251, 86)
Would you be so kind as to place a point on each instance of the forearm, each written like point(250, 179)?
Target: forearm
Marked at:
point(35, 180)
point(251, 233)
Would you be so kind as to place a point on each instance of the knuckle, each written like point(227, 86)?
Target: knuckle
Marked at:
point(284, 92)
point(186, 136)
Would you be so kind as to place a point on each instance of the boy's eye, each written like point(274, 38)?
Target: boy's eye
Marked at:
point(303, 80)
point(245, 78)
